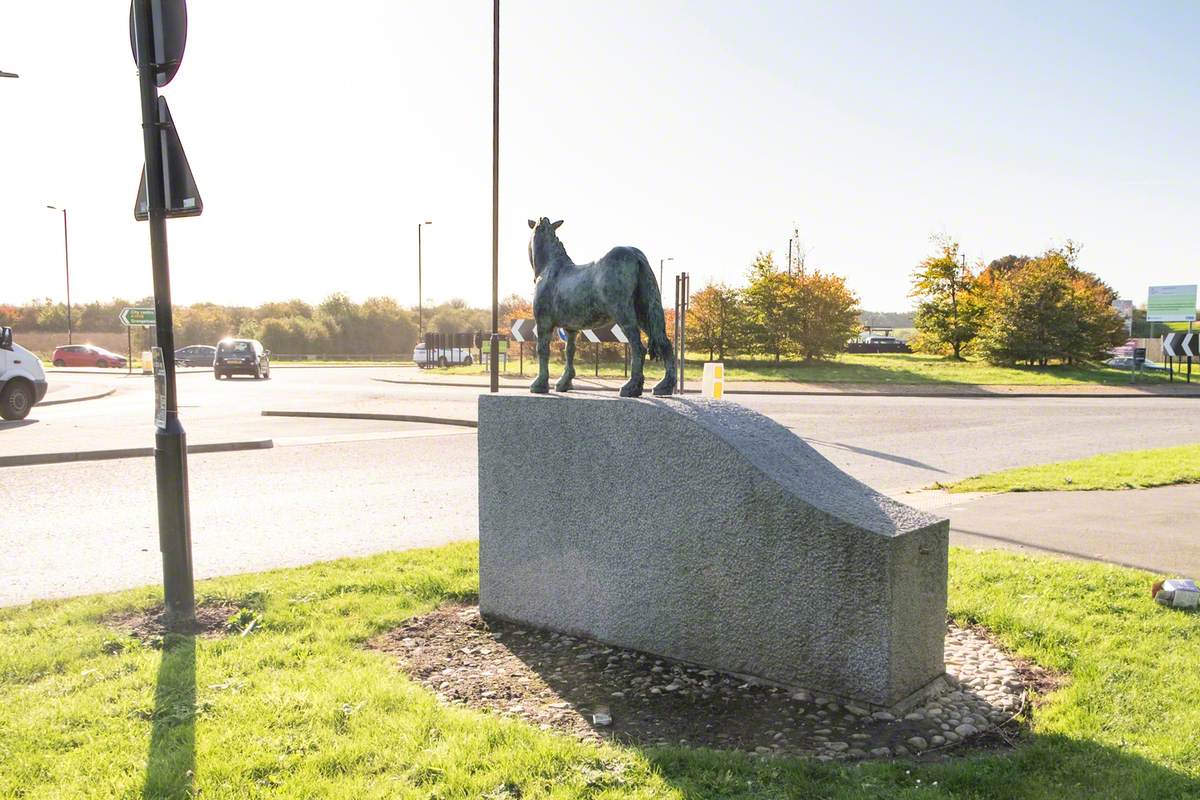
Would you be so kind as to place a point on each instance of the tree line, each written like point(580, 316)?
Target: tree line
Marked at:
point(337, 325)
point(1034, 310)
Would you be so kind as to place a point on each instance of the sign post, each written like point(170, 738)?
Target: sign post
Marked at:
point(158, 32)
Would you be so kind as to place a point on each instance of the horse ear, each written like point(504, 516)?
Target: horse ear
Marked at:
point(557, 224)
point(532, 224)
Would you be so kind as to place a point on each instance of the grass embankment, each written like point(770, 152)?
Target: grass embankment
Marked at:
point(299, 708)
point(1136, 469)
point(886, 368)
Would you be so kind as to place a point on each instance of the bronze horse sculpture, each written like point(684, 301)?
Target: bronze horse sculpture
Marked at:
point(619, 288)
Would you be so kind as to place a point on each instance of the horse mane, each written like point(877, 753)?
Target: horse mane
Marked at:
point(556, 250)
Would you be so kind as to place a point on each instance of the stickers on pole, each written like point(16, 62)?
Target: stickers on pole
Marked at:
point(179, 187)
point(169, 36)
point(160, 388)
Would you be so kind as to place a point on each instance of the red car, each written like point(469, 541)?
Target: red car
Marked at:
point(86, 355)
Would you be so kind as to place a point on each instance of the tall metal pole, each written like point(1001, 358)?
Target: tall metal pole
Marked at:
point(661, 288)
point(420, 288)
point(67, 265)
point(494, 360)
point(792, 239)
point(170, 440)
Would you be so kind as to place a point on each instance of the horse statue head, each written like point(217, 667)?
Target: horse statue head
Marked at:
point(544, 244)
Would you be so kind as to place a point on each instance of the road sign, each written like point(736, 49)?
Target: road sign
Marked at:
point(132, 317)
point(183, 198)
point(1181, 345)
point(610, 333)
point(525, 330)
point(169, 36)
point(1171, 303)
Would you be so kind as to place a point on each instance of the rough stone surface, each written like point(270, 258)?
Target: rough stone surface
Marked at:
point(703, 532)
point(591, 690)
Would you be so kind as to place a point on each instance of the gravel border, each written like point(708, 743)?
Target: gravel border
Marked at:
point(590, 690)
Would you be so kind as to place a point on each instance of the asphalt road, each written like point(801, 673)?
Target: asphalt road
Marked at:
point(348, 487)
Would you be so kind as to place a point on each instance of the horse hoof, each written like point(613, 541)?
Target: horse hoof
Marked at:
point(663, 391)
point(539, 388)
point(631, 391)
point(558, 387)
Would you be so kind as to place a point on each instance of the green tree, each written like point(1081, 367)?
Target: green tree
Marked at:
point(820, 314)
point(1047, 309)
point(713, 320)
point(764, 299)
point(948, 315)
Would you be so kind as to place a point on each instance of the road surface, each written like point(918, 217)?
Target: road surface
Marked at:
point(335, 488)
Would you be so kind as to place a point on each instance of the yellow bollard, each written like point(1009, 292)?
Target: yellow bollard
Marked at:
point(713, 383)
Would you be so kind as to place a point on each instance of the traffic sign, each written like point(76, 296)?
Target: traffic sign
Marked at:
point(179, 187)
point(132, 317)
point(170, 37)
point(1171, 303)
point(1181, 345)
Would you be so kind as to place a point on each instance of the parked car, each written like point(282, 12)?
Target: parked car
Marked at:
point(442, 356)
point(241, 357)
point(195, 355)
point(22, 379)
point(1126, 362)
point(878, 344)
point(86, 355)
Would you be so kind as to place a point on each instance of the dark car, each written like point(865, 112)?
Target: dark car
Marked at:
point(195, 355)
point(241, 357)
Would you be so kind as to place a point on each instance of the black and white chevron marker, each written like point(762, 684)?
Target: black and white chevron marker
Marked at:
point(525, 330)
point(1181, 345)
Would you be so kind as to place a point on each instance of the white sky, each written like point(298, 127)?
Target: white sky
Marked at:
point(320, 134)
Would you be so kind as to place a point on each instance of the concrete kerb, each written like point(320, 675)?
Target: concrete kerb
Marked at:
point(95, 396)
point(979, 393)
point(464, 423)
point(30, 459)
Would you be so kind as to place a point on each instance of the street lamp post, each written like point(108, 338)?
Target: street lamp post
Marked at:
point(420, 288)
point(660, 276)
point(494, 360)
point(67, 264)
point(4, 74)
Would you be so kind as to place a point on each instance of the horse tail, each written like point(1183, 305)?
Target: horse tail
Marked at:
point(648, 305)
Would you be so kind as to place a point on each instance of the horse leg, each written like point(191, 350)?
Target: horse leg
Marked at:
point(564, 383)
point(637, 353)
point(541, 384)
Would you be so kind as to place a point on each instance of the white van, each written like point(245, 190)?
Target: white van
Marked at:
point(22, 380)
point(442, 356)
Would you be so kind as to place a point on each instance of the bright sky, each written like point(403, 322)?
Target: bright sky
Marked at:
point(320, 134)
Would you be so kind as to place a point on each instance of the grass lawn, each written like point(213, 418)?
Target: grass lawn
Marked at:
point(1136, 469)
point(298, 708)
point(896, 368)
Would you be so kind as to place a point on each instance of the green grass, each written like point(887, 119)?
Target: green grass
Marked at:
point(299, 709)
point(888, 368)
point(1136, 469)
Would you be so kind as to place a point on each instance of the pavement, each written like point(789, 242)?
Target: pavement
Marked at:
point(335, 487)
point(1148, 529)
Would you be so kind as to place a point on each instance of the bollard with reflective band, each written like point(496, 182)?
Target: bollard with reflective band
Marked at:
point(713, 383)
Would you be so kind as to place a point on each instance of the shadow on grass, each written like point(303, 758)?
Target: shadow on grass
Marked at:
point(171, 760)
point(1046, 766)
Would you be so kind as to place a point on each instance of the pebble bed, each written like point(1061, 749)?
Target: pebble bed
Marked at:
point(594, 691)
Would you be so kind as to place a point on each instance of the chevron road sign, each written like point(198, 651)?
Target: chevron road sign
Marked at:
point(1181, 345)
point(525, 330)
point(612, 333)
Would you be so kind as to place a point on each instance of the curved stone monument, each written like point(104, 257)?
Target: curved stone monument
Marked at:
point(701, 531)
